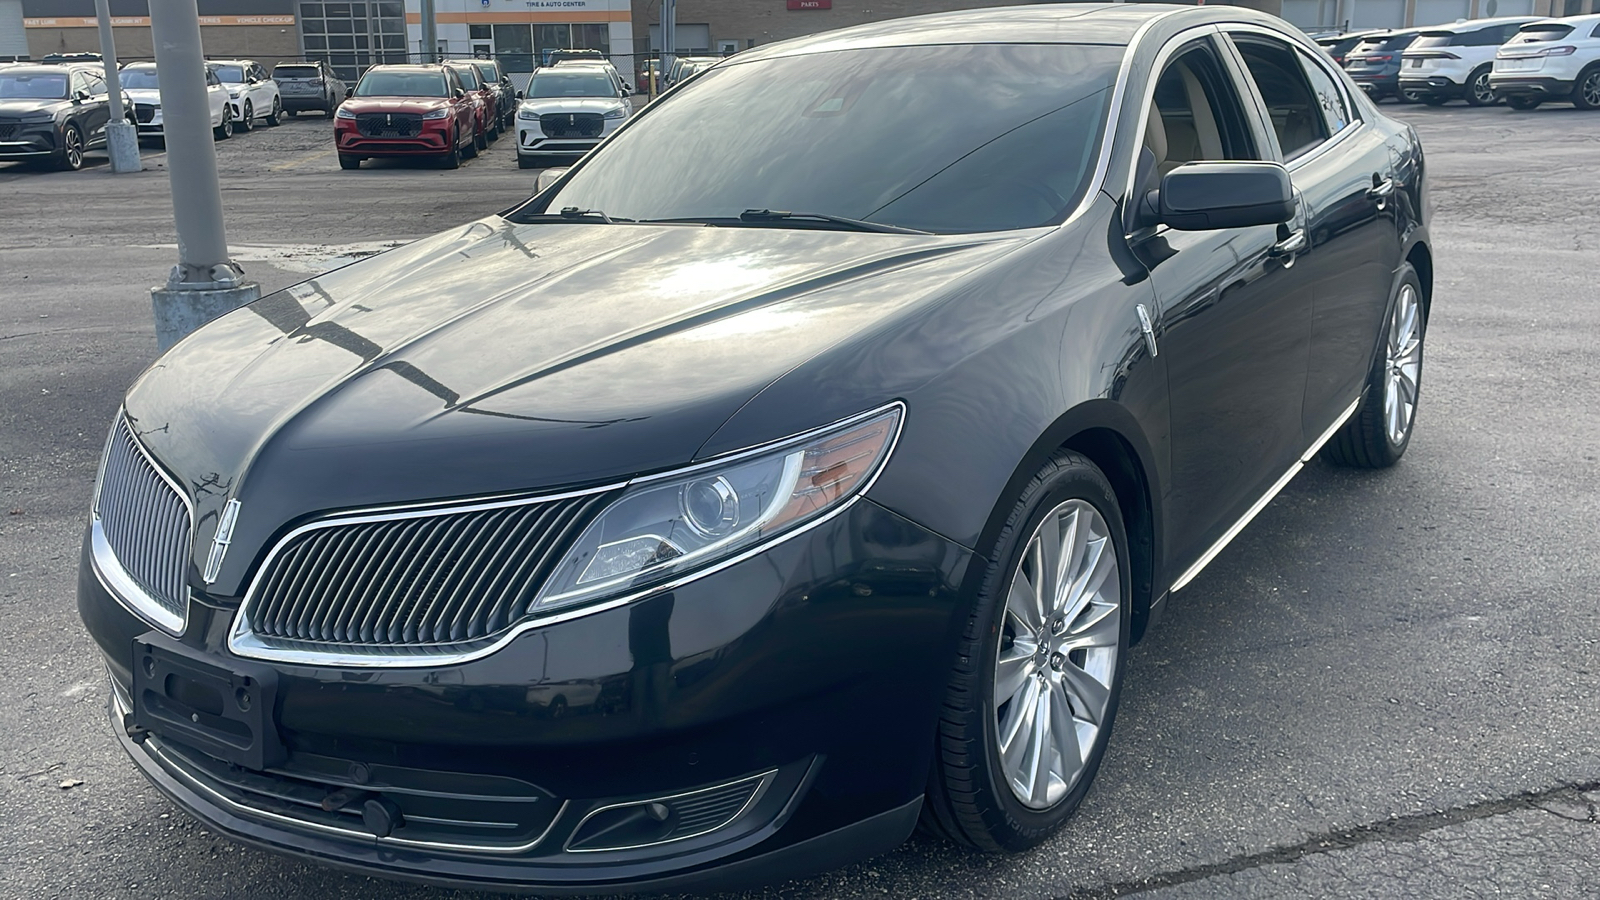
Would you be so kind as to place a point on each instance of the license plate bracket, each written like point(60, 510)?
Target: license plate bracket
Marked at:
point(223, 709)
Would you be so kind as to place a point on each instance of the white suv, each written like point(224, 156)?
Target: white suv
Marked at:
point(567, 110)
point(251, 92)
point(143, 87)
point(1454, 61)
point(1556, 59)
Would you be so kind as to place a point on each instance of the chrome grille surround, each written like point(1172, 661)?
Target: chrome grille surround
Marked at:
point(141, 531)
point(410, 586)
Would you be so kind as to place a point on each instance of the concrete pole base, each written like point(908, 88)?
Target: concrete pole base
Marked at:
point(122, 143)
point(179, 312)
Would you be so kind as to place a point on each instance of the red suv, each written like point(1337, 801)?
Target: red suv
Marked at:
point(487, 97)
point(420, 110)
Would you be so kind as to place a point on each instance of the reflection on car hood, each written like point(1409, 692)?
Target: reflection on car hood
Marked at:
point(545, 105)
point(393, 104)
point(18, 106)
point(496, 358)
point(143, 95)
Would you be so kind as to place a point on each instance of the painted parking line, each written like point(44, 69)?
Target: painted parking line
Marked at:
point(300, 161)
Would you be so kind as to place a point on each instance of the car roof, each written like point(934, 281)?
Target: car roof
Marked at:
point(572, 65)
point(233, 62)
point(1574, 21)
point(407, 67)
point(1045, 23)
point(44, 68)
point(1477, 24)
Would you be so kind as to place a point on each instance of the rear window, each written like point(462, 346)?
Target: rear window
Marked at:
point(1536, 34)
point(1383, 42)
point(295, 72)
point(1435, 39)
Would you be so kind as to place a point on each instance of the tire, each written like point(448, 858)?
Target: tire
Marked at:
point(526, 162)
point(480, 142)
point(452, 157)
point(349, 162)
point(249, 120)
point(1407, 96)
point(1371, 439)
point(292, 113)
point(225, 130)
point(1478, 91)
point(1586, 90)
point(1523, 101)
point(493, 133)
point(1435, 100)
point(275, 118)
point(974, 797)
point(70, 157)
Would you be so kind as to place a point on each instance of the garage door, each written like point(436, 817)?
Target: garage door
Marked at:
point(1442, 12)
point(1377, 14)
point(1491, 8)
point(13, 40)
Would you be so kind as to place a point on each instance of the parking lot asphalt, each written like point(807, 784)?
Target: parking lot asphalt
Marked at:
point(1385, 687)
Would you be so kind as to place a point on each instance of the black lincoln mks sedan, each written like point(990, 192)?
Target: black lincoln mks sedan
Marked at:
point(798, 466)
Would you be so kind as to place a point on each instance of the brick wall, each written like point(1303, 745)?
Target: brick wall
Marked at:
point(266, 44)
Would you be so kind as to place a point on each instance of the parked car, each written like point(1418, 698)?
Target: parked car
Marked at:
point(567, 110)
point(834, 485)
point(141, 82)
point(53, 113)
point(556, 57)
point(308, 86)
point(407, 110)
point(1337, 46)
point(650, 70)
point(505, 92)
point(483, 97)
point(1454, 61)
point(684, 66)
point(1556, 59)
point(1374, 63)
point(252, 93)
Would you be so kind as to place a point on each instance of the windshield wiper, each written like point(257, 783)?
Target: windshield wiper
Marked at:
point(759, 216)
point(571, 214)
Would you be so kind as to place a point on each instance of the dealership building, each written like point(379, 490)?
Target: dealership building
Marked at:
point(353, 34)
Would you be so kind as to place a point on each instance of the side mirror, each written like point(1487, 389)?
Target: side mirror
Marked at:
point(349, 92)
point(80, 96)
point(519, 95)
point(549, 177)
point(1207, 196)
point(626, 89)
point(460, 92)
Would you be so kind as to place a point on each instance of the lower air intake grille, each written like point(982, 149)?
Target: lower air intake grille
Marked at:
point(425, 581)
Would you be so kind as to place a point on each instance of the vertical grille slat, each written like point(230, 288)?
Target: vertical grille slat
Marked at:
point(145, 521)
point(414, 581)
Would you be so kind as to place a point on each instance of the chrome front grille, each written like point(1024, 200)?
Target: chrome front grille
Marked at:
point(423, 581)
point(145, 522)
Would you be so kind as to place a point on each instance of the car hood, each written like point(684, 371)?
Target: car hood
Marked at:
point(21, 107)
point(543, 105)
point(393, 104)
point(498, 358)
point(144, 95)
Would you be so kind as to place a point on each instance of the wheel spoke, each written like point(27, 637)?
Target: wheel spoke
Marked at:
point(1406, 380)
point(1047, 577)
point(1065, 730)
point(1015, 730)
point(1022, 604)
point(1099, 626)
point(1087, 586)
point(1089, 696)
point(1039, 750)
point(1011, 672)
point(1072, 546)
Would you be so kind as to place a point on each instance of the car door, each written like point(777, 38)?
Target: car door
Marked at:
point(461, 104)
point(94, 112)
point(1234, 313)
point(1343, 169)
point(217, 95)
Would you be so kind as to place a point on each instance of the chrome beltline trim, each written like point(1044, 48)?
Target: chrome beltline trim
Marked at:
point(1261, 503)
point(242, 642)
point(760, 791)
point(152, 746)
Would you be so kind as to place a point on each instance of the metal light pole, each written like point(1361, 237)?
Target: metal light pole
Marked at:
point(122, 138)
point(669, 34)
point(205, 283)
point(430, 33)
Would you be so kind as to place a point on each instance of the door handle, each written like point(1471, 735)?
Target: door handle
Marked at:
point(1382, 189)
point(1286, 248)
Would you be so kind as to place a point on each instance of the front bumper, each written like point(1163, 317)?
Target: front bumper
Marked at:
point(30, 140)
point(820, 661)
point(532, 141)
point(432, 140)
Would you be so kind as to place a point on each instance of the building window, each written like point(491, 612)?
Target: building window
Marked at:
point(352, 36)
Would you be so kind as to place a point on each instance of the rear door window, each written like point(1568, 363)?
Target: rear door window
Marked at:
point(1298, 117)
point(1538, 34)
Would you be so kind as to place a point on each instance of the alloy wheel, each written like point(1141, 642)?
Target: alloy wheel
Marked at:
point(72, 144)
point(1591, 89)
point(1057, 658)
point(1481, 91)
point(1405, 365)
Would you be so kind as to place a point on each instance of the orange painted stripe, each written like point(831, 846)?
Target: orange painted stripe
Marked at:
point(136, 21)
point(517, 17)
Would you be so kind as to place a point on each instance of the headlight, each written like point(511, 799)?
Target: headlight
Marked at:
point(345, 113)
point(235, 94)
point(669, 524)
point(527, 115)
point(35, 118)
point(617, 113)
point(442, 112)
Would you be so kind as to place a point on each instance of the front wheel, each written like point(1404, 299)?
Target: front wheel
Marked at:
point(1435, 100)
point(1523, 101)
point(349, 162)
point(70, 157)
point(1379, 432)
point(526, 162)
point(452, 157)
point(1030, 704)
point(249, 120)
point(1479, 92)
point(1586, 93)
point(225, 130)
point(275, 118)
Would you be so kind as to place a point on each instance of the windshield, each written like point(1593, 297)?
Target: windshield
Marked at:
point(295, 72)
point(139, 79)
point(401, 84)
point(468, 76)
point(230, 74)
point(1538, 34)
point(950, 139)
point(486, 72)
point(570, 83)
point(49, 86)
